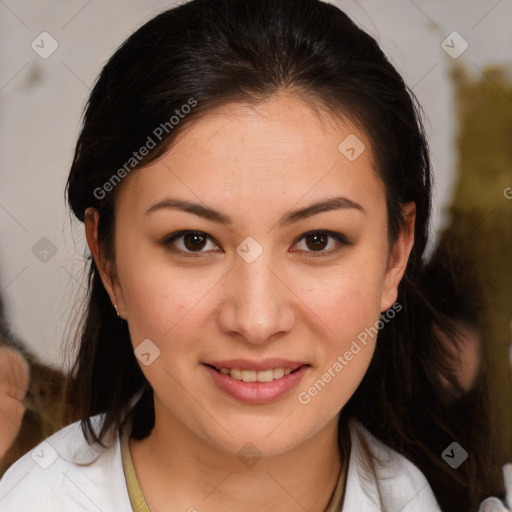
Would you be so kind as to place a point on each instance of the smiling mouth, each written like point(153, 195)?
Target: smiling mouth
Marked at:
point(256, 376)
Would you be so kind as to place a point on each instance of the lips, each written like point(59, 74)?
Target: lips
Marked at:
point(265, 364)
point(256, 381)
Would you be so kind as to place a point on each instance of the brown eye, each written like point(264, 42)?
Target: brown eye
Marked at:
point(189, 242)
point(321, 243)
point(316, 241)
point(194, 241)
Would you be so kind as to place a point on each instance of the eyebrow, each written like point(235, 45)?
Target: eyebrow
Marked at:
point(326, 205)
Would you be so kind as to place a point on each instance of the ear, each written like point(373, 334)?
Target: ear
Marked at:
point(398, 257)
point(107, 274)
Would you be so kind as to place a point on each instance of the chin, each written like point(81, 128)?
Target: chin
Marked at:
point(257, 439)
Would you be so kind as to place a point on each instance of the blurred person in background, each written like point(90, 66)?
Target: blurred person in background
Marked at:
point(32, 406)
point(14, 381)
point(449, 282)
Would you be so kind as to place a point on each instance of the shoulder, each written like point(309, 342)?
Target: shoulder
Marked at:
point(387, 479)
point(65, 473)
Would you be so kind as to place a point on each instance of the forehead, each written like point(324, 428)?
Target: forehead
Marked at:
point(279, 150)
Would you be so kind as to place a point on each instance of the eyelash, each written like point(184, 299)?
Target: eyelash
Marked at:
point(342, 240)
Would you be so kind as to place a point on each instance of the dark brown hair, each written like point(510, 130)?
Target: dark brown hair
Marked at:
point(220, 51)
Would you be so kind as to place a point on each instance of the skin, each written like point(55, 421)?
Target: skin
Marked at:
point(14, 382)
point(254, 164)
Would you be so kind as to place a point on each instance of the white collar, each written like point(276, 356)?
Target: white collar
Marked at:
point(392, 484)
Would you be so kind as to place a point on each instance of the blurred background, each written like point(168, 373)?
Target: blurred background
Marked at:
point(456, 55)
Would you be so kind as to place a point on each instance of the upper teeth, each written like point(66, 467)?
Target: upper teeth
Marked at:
point(256, 376)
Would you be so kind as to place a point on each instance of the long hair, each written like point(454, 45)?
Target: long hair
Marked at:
point(207, 53)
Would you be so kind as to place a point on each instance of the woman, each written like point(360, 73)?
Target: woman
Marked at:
point(255, 186)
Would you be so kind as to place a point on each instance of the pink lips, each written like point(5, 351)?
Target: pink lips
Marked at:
point(256, 392)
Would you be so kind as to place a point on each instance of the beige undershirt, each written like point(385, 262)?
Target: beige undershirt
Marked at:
point(139, 503)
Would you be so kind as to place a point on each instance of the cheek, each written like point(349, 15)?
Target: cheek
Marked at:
point(350, 310)
point(346, 298)
point(345, 353)
point(162, 298)
point(156, 302)
point(162, 306)
point(348, 303)
point(151, 293)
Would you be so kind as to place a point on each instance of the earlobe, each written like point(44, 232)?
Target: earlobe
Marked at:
point(91, 219)
point(399, 256)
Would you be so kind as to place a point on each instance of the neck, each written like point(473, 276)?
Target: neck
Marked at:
point(178, 470)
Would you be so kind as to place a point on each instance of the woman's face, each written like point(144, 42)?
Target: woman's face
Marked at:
point(268, 283)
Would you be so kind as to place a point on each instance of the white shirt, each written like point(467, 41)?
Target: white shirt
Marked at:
point(495, 504)
point(47, 480)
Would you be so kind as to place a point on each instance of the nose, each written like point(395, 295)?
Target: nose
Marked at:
point(256, 304)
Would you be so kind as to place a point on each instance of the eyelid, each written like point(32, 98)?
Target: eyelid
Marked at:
point(339, 237)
